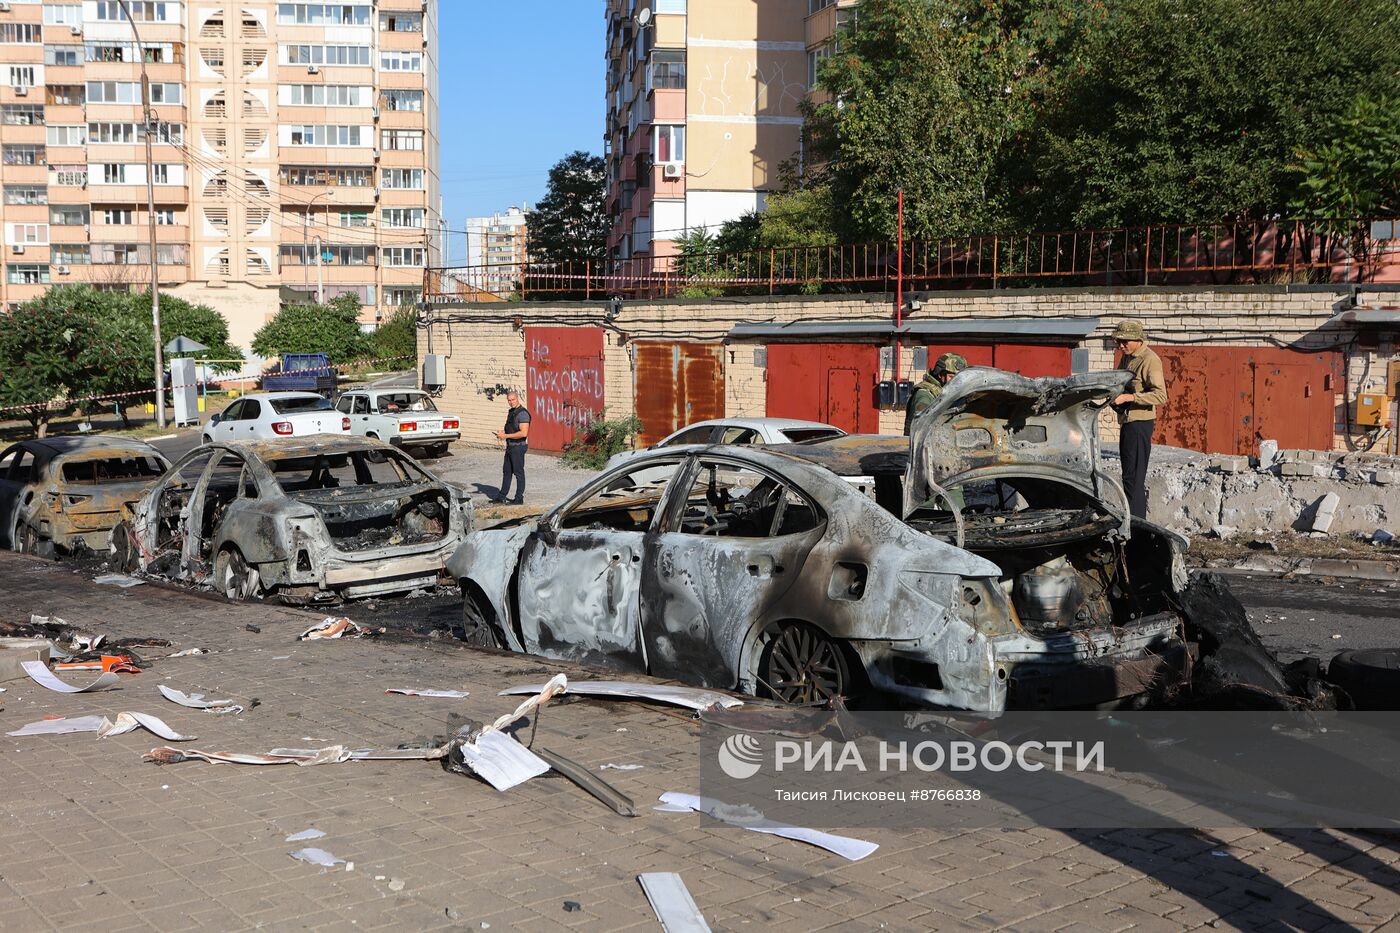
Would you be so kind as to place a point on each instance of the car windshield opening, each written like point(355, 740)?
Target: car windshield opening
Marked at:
point(811, 435)
point(118, 469)
point(290, 406)
point(341, 471)
point(405, 401)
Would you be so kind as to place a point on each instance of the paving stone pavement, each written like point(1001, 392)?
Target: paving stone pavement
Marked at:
point(97, 839)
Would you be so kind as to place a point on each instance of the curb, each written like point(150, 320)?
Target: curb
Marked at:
point(1379, 571)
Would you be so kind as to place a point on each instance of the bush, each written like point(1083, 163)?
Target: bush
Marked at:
point(332, 328)
point(396, 341)
point(592, 447)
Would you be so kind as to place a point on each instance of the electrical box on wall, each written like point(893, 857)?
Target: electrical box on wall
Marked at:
point(1078, 361)
point(434, 371)
point(920, 359)
point(1372, 409)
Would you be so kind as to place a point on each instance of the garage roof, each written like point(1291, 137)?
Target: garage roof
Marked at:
point(1041, 329)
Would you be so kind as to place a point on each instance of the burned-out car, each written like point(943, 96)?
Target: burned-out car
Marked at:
point(761, 569)
point(67, 493)
point(306, 519)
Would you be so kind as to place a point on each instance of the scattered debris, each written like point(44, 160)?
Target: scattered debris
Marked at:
point(396, 884)
point(557, 684)
point(119, 579)
point(317, 857)
point(189, 652)
point(62, 726)
point(170, 756)
point(256, 630)
point(1382, 537)
point(331, 627)
point(305, 835)
point(675, 908)
point(440, 694)
point(130, 722)
point(572, 906)
point(107, 663)
point(620, 803)
point(287, 756)
point(39, 672)
point(689, 697)
point(498, 759)
point(1325, 513)
point(613, 767)
point(197, 701)
point(748, 818)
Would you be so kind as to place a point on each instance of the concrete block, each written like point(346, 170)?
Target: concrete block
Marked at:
point(1229, 464)
point(1268, 453)
point(1385, 477)
point(1290, 468)
point(1325, 513)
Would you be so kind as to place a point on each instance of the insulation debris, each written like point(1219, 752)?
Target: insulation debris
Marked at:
point(333, 754)
point(130, 722)
point(306, 835)
point(500, 760)
point(119, 579)
point(317, 857)
point(197, 701)
point(190, 652)
point(748, 818)
point(41, 675)
point(675, 908)
point(440, 694)
point(543, 694)
point(332, 627)
point(62, 726)
point(689, 697)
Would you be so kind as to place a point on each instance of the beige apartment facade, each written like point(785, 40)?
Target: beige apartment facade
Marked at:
point(703, 108)
point(297, 147)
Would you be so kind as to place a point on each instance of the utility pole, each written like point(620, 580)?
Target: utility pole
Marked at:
point(151, 124)
point(305, 231)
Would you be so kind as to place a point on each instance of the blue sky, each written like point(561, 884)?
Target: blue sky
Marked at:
point(520, 86)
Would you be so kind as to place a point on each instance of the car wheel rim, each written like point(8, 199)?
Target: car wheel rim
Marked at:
point(240, 580)
point(804, 667)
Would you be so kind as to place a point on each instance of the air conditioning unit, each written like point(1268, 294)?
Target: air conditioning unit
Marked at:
point(375, 111)
point(673, 170)
point(61, 270)
point(4, 8)
point(21, 91)
point(17, 250)
point(312, 70)
point(76, 30)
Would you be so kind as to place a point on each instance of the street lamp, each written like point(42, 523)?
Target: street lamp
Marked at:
point(306, 278)
point(149, 117)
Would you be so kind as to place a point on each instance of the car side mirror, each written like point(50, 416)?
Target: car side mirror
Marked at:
point(548, 532)
point(216, 417)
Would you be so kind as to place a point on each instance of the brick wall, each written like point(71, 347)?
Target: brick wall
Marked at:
point(485, 343)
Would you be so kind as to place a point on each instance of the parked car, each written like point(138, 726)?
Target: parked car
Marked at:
point(68, 492)
point(403, 417)
point(304, 519)
point(302, 372)
point(760, 569)
point(751, 431)
point(270, 415)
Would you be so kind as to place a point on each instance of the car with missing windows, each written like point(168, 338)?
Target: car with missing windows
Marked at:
point(406, 418)
point(268, 416)
point(65, 494)
point(762, 569)
point(304, 519)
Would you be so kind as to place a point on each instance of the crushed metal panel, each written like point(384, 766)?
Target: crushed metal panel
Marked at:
point(676, 384)
point(564, 382)
point(689, 697)
point(676, 910)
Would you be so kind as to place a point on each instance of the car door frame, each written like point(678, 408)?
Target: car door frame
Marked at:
point(706, 595)
point(225, 427)
point(623, 569)
point(11, 492)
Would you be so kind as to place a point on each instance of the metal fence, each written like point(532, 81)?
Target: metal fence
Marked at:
point(1268, 252)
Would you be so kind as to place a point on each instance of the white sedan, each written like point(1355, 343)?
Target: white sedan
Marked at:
point(752, 431)
point(271, 415)
point(403, 417)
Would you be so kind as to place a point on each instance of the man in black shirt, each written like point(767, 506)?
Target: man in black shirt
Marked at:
point(516, 431)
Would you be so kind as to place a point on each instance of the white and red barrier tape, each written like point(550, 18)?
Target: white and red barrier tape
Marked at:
point(66, 402)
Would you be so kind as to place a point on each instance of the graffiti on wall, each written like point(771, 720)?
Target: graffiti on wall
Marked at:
point(564, 382)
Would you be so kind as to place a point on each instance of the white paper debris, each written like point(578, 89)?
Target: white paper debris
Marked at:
point(62, 726)
point(130, 722)
point(502, 761)
point(441, 694)
point(118, 579)
point(197, 701)
point(39, 672)
point(675, 908)
point(613, 767)
point(317, 857)
point(189, 652)
point(690, 697)
point(305, 835)
point(332, 627)
point(844, 846)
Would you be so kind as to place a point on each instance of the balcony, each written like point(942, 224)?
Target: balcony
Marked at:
point(136, 194)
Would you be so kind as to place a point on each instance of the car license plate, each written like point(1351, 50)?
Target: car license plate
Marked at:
point(430, 426)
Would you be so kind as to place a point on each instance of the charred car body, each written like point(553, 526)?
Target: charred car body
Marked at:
point(67, 493)
point(763, 570)
point(305, 520)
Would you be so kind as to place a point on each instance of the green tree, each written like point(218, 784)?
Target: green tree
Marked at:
point(799, 217)
point(697, 263)
point(1354, 171)
point(396, 340)
point(42, 358)
point(570, 223)
point(332, 328)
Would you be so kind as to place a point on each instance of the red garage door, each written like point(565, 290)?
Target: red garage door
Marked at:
point(1028, 359)
point(829, 382)
point(1226, 400)
point(677, 384)
point(564, 382)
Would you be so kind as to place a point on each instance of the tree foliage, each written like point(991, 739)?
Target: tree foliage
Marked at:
point(332, 328)
point(570, 223)
point(396, 340)
point(42, 357)
point(1354, 169)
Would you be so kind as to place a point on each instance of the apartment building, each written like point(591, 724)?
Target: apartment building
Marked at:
point(496, 247)
point(703, 104)
point(296, 147)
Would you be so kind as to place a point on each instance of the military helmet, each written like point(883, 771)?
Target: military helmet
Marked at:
point(950, 363)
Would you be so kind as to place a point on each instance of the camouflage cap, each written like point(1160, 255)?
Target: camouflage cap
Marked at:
point(1129, 330)
point(951, 363)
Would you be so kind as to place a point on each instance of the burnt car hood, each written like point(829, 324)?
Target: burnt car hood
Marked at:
point(989, 422)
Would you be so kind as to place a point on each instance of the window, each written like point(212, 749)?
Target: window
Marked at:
point(165, 218)
point(67, 135)
point(389, 402)
point(327, 175)
point(400, 21)
point(402, 296)
point(118, 51)
point(301, 254)
point(28, 234)
point(677, 6)
point(118, 216)
point(63, 55)
point(323, 14)
point(700, 435)
point(21, 33)
point(405, 140)
point(22, 114)
point(160, 174)
point(670, 143)
point(118, 469)
point(330, 55)
point(69, 215)
point(400, 61)
point(403, 216)
point(21, 76)
point(25, 154)
point(68, 176)
point(740, 436)
point(70, 255)
point(319, 135)
point(621, 501)
point(63, 14)
point(401, 99)
point(403, 256)
point(129, 92)
point(142, 11)
point(411, 178)
point(814, 61)
point(137, 254)
point(17, 466)
point(170, 133)
point(27, 274)
point(816, 6)
point(354, 218)
point(728, 500)
point(667, 69)
point(113, 173)
point(65, 95)
point(323, 95)
point(26, 194)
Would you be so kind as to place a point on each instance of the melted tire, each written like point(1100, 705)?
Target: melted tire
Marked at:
point(1371, 677)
